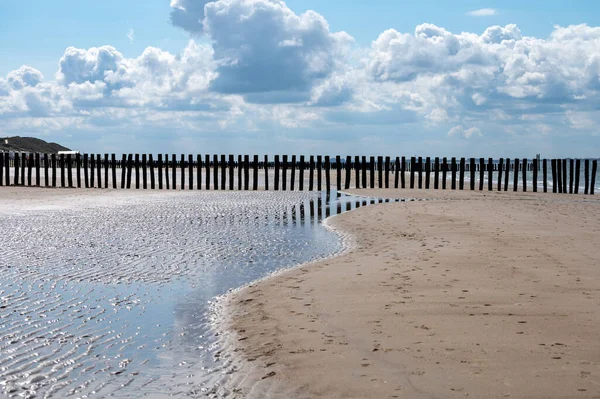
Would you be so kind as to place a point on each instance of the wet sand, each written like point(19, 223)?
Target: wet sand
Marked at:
point(476, 295)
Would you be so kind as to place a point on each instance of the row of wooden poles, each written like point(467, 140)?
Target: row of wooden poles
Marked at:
point(133, 165)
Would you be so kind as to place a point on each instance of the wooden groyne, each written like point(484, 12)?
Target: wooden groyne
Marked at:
point(220, 172)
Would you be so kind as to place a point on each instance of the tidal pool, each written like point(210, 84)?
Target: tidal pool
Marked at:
point(113, 299)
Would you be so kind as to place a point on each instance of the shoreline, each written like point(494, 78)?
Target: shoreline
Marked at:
point(280, 333)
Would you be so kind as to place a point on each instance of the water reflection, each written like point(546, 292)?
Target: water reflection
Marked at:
point(122, 309)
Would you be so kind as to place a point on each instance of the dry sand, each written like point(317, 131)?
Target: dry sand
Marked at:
point(481, 295)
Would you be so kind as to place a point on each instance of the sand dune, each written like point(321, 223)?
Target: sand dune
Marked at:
point(494, 296)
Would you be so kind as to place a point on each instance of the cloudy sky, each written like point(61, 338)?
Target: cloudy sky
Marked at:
point(370, 77)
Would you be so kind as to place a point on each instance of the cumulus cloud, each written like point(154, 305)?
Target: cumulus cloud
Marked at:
point(25, 76)
point(264, 50)
point(189, 15)
point(483, 12)
point(476, 75)
point(459, 130)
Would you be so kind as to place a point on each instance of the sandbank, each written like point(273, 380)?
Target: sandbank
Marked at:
point(480, 294)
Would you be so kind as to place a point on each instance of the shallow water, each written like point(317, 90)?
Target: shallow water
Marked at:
point(113, 299)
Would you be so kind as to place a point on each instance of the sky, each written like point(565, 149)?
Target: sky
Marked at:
point(370, 77)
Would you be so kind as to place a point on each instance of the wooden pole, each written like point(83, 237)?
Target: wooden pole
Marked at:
point(113, 162)
point(123, 169)
point(506, 173)
point(277, 166)
point(284, 168)
point(92, 170)
point(150, 162)
point(453, 164)
point(232, 174)
point(167, 186)
point(99, 164)
point(327, 174)
point(553, 162)
point(255, 174)
point(372, 171)
point(593, 180)
point(397, 172)
point(348, 168)
point(472, 168)
point(293, 173)
point(500, 169)
point(516, 174)
point(240, 171)
point(420, 171)
point(62, 170)
point(490, 174)
point(380, 171)
point(246, 172)
point(182, 169)
point(545, 173)
point(525, 164)
point(311, 173)
point(461, 177)
point(564, 178)
point(413, 162)
point(266, 166)
point(46, 173)
point(338, 175)
point(427, 171)
point(571, 174)
point(190, 172)
point(559, 176)
point(16, 164)
point(85, 169)
point(357, 167)
point(319, 172)
point(364, 166)
point(199, 172)
point(436, 171)
point(144, 170)
point(577, 174)
point(444, 172)
point(173, 172)
point(105, 170)
point(129, 170)
point(481, 173)
point(77, 167)
point(30, 169)
point(301, 177)
point(159, 166)
point(2, 167)
point(224, 171)
point(587, 176)
point(207, 171)
point(137, 171)
point(23, 165)
point(535, 175)
point(216, 172)
point(69, 170)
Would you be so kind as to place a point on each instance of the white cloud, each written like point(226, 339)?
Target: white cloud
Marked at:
point(483, 12)
point(280, 62)
point(25, 76)
point(459, 130)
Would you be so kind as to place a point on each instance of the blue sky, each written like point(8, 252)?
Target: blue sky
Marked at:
point(461, 78)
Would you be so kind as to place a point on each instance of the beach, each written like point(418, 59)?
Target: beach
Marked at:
point(478, 294)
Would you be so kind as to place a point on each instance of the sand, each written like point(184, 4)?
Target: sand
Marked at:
point(478, 295)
